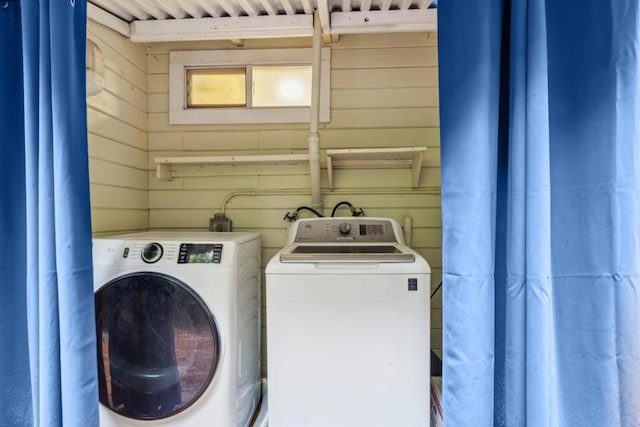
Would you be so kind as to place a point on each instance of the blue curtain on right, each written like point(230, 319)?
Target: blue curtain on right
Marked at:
point(541, 212)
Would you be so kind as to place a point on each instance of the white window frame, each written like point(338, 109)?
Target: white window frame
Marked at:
point(179, 61)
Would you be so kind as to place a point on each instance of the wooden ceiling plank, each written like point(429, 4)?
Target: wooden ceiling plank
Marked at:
point(192, 8)
point(133, 9)
point(249, 8)
point(150, 8)
point(385, 5)
point(308, 6)
point(288, 7)
point(210, 7)
point(115, 9)
point(268, 7)
point(172, 9)
point(107, 19)
point(230, 7)
point(405, 4)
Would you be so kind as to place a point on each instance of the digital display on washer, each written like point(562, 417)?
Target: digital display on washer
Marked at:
point(200, 253)
point(371, 229)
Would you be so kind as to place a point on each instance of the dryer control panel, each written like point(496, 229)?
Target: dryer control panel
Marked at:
point(128, 252)
point(345, 229)
point(187, 253)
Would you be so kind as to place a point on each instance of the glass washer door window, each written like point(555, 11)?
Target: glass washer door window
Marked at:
point(158, 345)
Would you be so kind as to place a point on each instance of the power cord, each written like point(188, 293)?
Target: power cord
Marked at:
point(435, 291)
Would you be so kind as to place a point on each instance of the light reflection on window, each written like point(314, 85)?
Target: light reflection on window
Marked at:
point(282, 86)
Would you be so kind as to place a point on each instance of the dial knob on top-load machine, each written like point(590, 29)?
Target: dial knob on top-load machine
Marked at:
point(344, 228)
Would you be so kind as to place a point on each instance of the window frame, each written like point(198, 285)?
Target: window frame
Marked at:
point(180, 61)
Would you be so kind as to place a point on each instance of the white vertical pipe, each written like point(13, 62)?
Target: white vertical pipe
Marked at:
point(408, 230)
point(314, 137)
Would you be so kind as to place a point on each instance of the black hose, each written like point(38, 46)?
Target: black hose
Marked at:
point(335, 208)
point(307, 208)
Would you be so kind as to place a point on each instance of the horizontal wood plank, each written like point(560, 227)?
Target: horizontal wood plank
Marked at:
point(371, 78)
point(118, 175)
point(397, 57)
point(119, 220)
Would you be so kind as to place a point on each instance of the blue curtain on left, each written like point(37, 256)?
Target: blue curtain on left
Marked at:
point(47, 334)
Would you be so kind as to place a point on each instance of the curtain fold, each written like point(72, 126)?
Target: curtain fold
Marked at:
point(46, 226)
point(541, 234)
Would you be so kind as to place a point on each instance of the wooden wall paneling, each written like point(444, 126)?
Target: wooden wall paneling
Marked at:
point(113, 129)
point(118, 146)
point(384, 94)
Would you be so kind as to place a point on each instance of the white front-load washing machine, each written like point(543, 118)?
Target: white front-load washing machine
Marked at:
point(348, 327)
point(178, 328)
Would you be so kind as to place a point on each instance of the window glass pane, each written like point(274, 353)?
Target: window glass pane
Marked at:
point(216, 88)
point(282, 86)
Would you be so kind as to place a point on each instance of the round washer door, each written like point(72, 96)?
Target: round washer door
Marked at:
point(158, 345)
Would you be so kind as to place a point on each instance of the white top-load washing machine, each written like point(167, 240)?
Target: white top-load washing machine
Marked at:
point(178, 328)
point(348, 327)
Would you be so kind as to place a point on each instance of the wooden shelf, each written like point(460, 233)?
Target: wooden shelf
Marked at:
point(404, 157)
point(163, 164)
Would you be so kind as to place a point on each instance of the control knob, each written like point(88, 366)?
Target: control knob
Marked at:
point(152, 253)
point(344, 228)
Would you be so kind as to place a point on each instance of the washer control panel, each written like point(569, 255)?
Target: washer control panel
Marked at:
point(345, 229)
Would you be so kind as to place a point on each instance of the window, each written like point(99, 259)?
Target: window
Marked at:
point(282, 86)
point(249, 86)
point(216, 88)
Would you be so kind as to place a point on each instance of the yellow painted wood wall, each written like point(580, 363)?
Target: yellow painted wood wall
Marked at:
point(384, 93)
point(118, 149)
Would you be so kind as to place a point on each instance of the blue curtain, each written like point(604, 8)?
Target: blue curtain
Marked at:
point(541, 212)
point(48, 374)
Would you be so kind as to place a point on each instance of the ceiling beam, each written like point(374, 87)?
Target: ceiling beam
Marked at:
point(241, 27)
point(108, 20)
point(323, 14)
point(400, 21)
